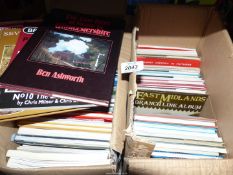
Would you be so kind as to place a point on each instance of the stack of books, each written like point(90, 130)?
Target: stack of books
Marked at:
point(64, 71)
point(171, 93)
point(60, 65)
point(176, 136)
point(171, 81)
point(14, 104)
point(80, 140)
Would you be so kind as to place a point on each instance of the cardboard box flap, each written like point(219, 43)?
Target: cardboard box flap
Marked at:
point(97, 170)
point(178, 166)
point(165, 25)
point(132, 81)
point(119, 121)
point(137, 147)
point(217, 51)
point(6, 131)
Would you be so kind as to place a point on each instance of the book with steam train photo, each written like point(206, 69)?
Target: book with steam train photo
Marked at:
point(73, 56)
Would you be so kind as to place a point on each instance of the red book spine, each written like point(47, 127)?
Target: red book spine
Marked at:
point(170, 62)
point(84, 117)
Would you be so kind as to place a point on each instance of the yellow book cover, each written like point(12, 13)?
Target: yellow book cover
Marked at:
point(8, 41)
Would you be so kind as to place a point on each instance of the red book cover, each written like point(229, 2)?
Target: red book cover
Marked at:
point(94, 116)
point(24, 36)
point(160, 61)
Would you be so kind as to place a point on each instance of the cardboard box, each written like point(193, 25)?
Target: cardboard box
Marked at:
point(117, 140)
point(104, 8)
point(195, 27)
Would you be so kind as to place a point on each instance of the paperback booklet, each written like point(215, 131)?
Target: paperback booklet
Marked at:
point(171, 81)
point(75, 57)
point(149, 101)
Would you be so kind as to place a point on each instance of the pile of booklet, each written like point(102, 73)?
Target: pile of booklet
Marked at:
point(171, 81)
point(176, 136)
point(63, 70)
point(170, 95)
point(80, 140)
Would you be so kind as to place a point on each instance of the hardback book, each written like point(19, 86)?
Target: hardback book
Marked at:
point(8, 41)
point(15, 100)
point(74, 56)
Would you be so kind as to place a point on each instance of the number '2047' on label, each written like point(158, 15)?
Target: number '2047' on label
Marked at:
point(130, 67)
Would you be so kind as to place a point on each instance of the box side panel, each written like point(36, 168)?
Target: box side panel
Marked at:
point(119, 121)
point(172, 25)
point(98, 170)
point(6, 131)
point(217, 53)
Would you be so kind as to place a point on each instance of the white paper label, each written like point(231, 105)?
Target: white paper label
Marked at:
point(129, 67)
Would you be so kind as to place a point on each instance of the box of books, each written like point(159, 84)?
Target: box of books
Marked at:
point(40, 134)
point(179, 115)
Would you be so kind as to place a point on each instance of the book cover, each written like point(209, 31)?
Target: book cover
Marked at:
point(149, 102)
point(30, 113)
point(27, 159)
point(7, 44)
point(25, 34)
point(15, 100)
point(74, 57)
point(60, 142)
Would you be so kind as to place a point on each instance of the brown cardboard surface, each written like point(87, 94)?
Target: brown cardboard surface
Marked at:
point(172, 25)
point(6, 130)
point(180, 167)
point(217, 50)
point(97, 170)
point(119, 121)
point(138, 147)
point(201, 28)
